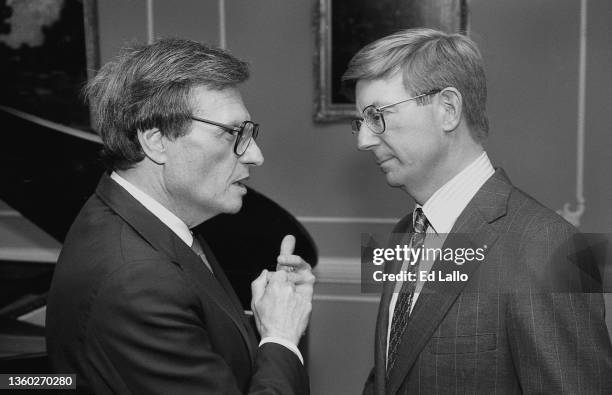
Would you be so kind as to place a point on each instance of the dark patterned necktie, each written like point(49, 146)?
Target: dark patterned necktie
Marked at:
point(197, 248)
point(404, 300)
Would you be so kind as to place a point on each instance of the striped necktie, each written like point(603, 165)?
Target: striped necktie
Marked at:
point(401, 313)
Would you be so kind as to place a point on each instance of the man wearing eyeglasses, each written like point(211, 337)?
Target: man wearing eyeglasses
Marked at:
point(138, 304)
point(523, 319)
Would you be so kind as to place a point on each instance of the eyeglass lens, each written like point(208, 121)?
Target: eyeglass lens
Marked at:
point(248, 132)
point(374, 119)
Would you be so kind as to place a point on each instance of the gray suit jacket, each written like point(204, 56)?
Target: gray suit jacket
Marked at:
point(528, 320)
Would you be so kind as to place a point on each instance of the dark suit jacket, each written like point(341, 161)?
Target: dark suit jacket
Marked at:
point(132, 309)
point(520, 324)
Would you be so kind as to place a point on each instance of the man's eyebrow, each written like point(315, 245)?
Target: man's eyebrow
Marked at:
point(234, 123)
point(379, 103)
point(360, 108)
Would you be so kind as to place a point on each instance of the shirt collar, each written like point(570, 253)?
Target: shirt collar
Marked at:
point(444, 207)
point(166, 216)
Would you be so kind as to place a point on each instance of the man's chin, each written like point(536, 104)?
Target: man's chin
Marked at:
point(234, 207)
point(392, 181)
point(234, 210)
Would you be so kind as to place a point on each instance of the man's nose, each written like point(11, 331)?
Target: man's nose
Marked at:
point(252, 156)
point(366, 140)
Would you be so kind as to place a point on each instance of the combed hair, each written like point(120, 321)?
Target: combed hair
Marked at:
point(149, 86)
point(428, 59)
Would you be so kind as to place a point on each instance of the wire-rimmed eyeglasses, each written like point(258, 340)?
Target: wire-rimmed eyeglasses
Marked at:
point(244, 133)
point(373, 116)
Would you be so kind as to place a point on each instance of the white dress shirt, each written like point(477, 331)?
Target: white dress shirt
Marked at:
point(182, 231)
point(442, 210)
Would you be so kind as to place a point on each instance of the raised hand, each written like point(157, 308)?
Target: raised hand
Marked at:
point(298, 270)
point(279, 310)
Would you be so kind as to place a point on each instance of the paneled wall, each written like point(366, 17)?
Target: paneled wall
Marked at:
point(531, 52)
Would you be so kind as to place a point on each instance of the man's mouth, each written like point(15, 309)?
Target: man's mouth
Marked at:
point(240, 182)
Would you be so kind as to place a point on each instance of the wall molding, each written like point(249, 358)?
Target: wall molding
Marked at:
point(150, 22)
point(574, 216)
point(338, 270)
point(341, 271)
point(347, 298)
point(222, 28)
point(347, 220)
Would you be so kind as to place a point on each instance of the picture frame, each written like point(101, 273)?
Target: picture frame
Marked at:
point(48, 51)
point(344, 26)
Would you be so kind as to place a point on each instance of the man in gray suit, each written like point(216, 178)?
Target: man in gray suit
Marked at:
point(526, 318)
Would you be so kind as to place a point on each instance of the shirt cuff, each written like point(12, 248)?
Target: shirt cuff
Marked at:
point(283, 342)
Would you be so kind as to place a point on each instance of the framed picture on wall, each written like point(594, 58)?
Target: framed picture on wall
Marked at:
point(344, 26)
point(48, 50)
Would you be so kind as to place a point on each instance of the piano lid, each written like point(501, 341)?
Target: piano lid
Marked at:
point(47, 171)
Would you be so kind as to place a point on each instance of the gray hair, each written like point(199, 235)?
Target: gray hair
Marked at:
point(428, 59)
point(150, 86)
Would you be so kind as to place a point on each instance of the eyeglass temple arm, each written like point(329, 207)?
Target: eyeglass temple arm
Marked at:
point(431, 92)
point(221, 125)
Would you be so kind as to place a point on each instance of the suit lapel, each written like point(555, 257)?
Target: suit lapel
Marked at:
point(229, 291)
point(160, 237)
point(473, 229)
point(220, 274)
point(216, 286)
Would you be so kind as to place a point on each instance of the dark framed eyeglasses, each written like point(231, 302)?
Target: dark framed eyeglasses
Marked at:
point(244, 133)
point(373, 117)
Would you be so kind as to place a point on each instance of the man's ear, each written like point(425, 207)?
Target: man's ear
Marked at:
point(153, 144)
point(451, 108)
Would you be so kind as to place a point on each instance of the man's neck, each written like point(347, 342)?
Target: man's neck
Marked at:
point(173, 222)
point(152, 183)
point(457, 161)
point(147, 183)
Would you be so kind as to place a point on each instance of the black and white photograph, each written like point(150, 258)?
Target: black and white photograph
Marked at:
point(326, 197)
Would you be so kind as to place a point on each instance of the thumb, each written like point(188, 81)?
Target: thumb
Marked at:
point(287, 245)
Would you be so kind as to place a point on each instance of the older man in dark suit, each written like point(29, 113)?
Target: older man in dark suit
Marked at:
point(523, 317)
point(138, 304)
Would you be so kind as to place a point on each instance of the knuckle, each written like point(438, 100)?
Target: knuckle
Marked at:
point(280, 275)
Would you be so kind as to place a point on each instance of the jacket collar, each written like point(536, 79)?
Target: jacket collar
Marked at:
point(162, 239)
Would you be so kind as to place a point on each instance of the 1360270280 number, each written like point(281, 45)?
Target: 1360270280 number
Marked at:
point(8, 381)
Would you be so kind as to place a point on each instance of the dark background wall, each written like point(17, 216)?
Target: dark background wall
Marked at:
point(531, 52)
